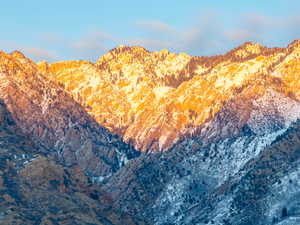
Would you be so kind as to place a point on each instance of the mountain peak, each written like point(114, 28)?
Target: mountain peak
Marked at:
point(122, 51)
point(43, 65)
point(18, 54)
point(164, 52)
point(251, 44)
point(295, 44)
point(247, 49)
point(128, 49)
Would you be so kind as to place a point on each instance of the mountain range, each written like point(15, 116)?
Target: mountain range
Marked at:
point(144, 137)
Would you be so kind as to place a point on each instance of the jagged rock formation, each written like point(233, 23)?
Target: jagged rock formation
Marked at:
point(153, 99)
point(216, 138)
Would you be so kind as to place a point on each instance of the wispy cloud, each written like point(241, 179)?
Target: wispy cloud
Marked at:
point(251, 27)
point(89, 46)
point(209, 35)
point(156, 27)
point(33, 52)
point(241, 35)
point(293, 25)
point(194, 39)
point(38, 54)
point(150, 43)
point(204, 35)
point(257, 21)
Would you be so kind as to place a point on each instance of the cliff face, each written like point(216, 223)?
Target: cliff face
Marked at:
point(153, 99)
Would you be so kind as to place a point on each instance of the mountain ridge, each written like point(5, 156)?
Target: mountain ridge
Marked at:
point(43, 110)
point(146, 137)
point(133, 92)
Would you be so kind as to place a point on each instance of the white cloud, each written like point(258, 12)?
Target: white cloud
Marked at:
point(150, 43)
point(88, 46)
point(38, 54)
point(33, 52)
point(156, 27)
point(241, 35)
point(209, 35)
point(194, 39)
point(204, 35)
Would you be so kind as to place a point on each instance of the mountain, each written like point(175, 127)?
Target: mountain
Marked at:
point(246, 180)
point(153, 99)
point(36, 189)
point(144, 137)
point(43, 110)
point(52, 153)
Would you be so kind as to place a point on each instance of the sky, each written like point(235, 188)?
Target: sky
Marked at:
point(64, 30)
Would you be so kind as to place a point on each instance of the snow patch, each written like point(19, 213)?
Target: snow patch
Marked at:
point(273, 111)
point(162, 91)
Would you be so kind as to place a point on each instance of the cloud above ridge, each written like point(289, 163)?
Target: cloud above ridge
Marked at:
point(208, 34)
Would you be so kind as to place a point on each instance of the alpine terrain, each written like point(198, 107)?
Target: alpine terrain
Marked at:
point(142, 137)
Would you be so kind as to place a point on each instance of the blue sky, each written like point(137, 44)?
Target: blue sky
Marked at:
point(62, 30)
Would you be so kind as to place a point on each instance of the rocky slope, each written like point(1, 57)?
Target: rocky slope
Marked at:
point(196, 182)
point(153, 99)
point(55, 122)
point(35, 189)
point(216, 139)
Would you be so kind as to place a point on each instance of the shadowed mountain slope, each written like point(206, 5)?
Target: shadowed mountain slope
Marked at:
point(36, 189)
